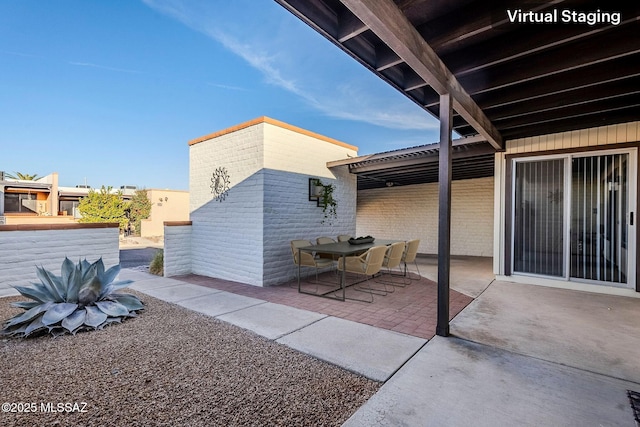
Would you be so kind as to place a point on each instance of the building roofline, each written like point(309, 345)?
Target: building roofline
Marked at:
point(273, 122)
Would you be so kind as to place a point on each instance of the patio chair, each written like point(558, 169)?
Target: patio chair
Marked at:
point(392, 260)
point(409, 256)
point(322, 241)
point(343, 237)
point(366, 265)
point(308, 259)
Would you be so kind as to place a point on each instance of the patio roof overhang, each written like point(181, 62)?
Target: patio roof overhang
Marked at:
point(507, 80)
point(466, 63)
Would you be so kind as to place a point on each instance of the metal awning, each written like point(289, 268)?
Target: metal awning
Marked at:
point(25, 186)
point(472, 158)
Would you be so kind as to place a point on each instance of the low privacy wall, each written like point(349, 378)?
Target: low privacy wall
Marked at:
point(23, 247)
point(177, 248)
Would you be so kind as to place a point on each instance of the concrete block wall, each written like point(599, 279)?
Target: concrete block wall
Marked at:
point(246, 237)
point(289, 215)
point(22, 248)
point(411, 212)
point(177, 248)
point(227, 235)
point(291, 157)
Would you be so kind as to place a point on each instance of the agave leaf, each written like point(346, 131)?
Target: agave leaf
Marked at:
point(110, 275)
point(109, 321)
point(66, 271)
point(60, 286)
point(36, 325)
point(29, 315)
point(57, 331)
point(99, 268)
point(115, 286)
point(47, 281)
point(57, 312)
point(34, 293)
point(112, 308)
point(74, 284)
point(15, 330)
point(88, 273)
point(72, 322)
point(130, 301)
point(94, 317)
point(25, 304)
point(85, 266)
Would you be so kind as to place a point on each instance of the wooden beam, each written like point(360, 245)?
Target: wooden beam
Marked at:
point(349, 27)
point(389, 23)
point(444, 214)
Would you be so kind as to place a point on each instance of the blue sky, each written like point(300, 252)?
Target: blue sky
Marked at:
point(110, 92)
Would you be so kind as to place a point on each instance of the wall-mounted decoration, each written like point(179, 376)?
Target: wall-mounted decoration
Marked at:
point(322, 194)
point(220, 184)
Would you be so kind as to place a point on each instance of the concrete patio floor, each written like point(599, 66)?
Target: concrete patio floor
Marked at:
point(518, 354)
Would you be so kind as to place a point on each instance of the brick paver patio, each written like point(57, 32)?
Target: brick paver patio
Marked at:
point(410, 310)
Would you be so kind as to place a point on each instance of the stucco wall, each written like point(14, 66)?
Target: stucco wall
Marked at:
point(177, 248)
point(411, 212)
point(166, 205)
point(22, 248)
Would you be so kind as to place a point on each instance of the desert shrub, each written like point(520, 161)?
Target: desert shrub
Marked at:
point(157, 264)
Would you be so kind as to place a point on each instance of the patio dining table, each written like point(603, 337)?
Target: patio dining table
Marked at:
point(343, 250)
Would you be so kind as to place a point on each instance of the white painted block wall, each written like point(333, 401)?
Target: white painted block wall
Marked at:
point(246, 237)
point(289, 215)
point(411, 212)
point(226, 239)
point(177, 250)
point(22, 250)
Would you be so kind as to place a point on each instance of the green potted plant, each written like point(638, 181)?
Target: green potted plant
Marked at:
point(328, 203)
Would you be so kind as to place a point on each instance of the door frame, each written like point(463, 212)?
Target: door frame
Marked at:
point(634, 206)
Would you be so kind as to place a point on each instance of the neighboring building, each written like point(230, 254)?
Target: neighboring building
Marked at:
point(30, 202)
point(43, 201)
point(166, 205)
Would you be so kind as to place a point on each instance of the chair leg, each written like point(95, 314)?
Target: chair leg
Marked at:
point(407, 273)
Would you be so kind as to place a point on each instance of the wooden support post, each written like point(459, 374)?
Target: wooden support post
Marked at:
point(444, 214)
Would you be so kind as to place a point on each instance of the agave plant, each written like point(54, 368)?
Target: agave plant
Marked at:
point(82, 298)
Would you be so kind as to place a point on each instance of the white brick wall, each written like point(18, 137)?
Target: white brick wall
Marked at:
point(22, 250)
point(177, 250)
point(227, 235)
point(246, 237)
point(411, 212)
point(289, 215)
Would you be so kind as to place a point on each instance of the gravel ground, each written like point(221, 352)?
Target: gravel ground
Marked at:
point(168, 367)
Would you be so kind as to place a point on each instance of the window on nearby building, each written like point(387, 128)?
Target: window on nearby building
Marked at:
point(20, 203)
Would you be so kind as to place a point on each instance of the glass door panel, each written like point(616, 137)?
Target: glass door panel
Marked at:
point(599, 230)
point(538, 245)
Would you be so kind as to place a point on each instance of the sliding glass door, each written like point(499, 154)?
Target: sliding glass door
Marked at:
point(573, 217)
point(599, 211)
point(539, 217)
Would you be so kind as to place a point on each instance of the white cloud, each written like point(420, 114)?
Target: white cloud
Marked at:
point(293, 57)
point(103, 67)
